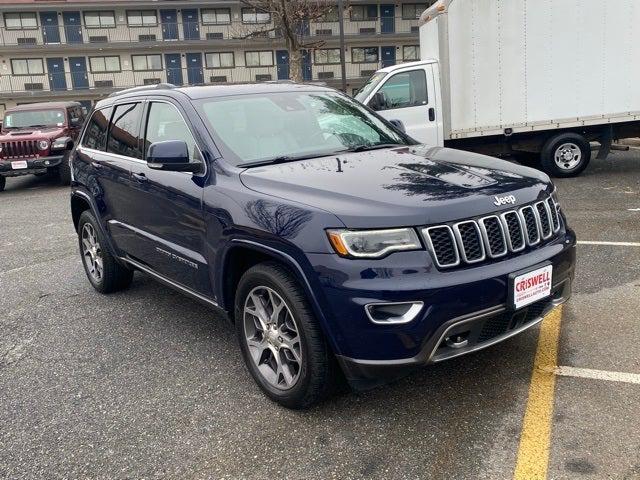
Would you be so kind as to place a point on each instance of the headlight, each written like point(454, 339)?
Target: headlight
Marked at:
point(373, 243)
point(43, 144)
point(59, 143)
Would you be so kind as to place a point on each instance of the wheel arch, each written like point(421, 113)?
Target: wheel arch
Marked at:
point(243, 254)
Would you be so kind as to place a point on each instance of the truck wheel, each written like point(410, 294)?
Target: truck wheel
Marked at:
point(281, 341)
point(64, 171)
point(3, 182)
point(103, 271)
point(566, 155)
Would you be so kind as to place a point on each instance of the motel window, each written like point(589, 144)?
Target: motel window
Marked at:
point(412, 11)
point(255, 15)
point(27, 66)
point(259, 59)
point(411, 52)
point(216, 16)
point(103, 19)
point(364, 55)
point(364, 12)
point(141, 18)
point(219, 60)
point(104, 64)
point(20, 21)
point(327, 56)
point(143, 63)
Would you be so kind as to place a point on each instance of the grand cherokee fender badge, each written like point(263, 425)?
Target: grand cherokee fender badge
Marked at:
point(509, 199)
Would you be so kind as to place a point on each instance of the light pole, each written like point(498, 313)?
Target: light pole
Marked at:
point(343, 66)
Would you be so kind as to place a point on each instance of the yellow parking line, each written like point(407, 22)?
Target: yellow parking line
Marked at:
point(533, 453)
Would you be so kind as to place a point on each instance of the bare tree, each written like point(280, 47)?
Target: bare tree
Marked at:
point(288, 18)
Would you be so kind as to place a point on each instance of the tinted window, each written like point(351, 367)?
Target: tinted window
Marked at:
point(124, 133)
point(165, 123)
point(95, 136)
point(406, 89)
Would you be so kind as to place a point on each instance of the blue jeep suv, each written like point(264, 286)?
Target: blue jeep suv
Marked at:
point(334, 242)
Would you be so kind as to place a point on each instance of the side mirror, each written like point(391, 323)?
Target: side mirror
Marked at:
point(399, 125)
point(172, 156)
point(75, 122)
point(378, 101)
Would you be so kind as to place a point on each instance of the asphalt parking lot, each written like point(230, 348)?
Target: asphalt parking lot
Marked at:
point(147, 383)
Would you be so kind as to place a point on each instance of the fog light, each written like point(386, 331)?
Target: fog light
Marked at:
point(393, 313)
point(46, 162)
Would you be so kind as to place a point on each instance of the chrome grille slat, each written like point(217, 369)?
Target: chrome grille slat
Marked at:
point(493, 236)
point(20, 148)
point(531, 225)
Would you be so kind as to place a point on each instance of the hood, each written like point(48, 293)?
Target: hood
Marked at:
point(407, 186)
point(31, 133)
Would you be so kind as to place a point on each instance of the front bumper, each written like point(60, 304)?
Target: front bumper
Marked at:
point(34, 165)
point(469, 301)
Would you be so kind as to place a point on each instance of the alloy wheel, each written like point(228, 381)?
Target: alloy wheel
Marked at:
point(272, 337)
point(92, 252)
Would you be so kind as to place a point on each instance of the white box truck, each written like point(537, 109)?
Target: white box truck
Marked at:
point(534, 79)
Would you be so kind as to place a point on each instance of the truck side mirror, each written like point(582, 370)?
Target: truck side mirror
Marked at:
point(399, 125)
point(378, 101)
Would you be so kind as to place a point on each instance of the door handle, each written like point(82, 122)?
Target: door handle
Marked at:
point(140, 177)
point(432, 114)
point(97, 165)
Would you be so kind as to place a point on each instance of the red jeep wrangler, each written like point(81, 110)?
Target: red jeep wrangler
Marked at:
point(37, 139)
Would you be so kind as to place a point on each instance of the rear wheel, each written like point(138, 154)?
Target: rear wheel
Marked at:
point(3, 182)
point(102, 269)
point(566, 155)
point(281, 341)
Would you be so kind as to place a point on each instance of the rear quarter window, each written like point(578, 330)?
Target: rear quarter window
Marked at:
point(95, 136)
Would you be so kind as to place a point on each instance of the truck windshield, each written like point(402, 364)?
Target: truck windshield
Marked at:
point(287, 126)
point(370, 84)
point(34, 118)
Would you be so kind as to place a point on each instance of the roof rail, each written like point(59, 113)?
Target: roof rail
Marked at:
point(157, 86)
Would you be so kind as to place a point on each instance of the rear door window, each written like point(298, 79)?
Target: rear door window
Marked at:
point(124, 132)
point(95, 136)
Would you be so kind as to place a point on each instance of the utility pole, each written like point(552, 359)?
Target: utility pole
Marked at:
point(343, 66)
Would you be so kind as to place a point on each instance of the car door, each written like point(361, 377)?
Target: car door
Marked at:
point(409, 97)
point(167, 206)
point(106, 174)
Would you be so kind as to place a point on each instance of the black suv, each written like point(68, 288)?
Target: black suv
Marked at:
point(332, 240)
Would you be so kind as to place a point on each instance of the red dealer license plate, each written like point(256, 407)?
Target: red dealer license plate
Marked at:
point(530, 287)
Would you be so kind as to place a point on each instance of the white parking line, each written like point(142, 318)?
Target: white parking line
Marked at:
point(598, 374)
point(613, 244)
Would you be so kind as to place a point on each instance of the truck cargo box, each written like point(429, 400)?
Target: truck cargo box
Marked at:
point(530, 65)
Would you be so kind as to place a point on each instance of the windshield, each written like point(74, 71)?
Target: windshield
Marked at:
point(368, 87)
point(34, 118)
point(289, 125)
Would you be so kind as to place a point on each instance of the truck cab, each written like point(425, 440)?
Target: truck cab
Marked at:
point(408, 93)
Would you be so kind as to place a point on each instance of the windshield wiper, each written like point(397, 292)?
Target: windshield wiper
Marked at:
point(284, 159)
point(377, 146)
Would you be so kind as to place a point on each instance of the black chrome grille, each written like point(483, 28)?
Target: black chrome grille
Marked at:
point(493, 236)
point(543, 215)
point(531, 225)
point(19, 148)
point(470, 239)
point(443, 245)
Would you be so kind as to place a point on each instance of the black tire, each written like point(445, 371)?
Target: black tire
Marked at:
point(64, 171)
point(115, 276)
point(566, 155)
point(318, 368)
point(3, 183)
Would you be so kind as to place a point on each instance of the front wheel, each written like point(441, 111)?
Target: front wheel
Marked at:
point(566, 155)
point(64, 171)
point(281, 341)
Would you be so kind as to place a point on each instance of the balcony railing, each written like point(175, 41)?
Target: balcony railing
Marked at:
point(77, 81)
point(186, 31)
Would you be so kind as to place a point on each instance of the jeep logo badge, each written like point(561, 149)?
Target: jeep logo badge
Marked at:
point(509, 199)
